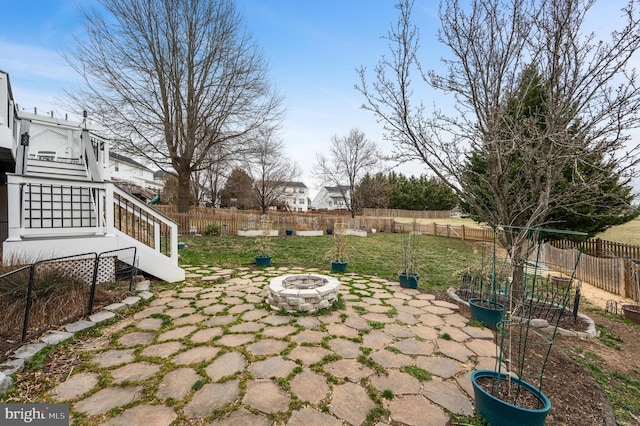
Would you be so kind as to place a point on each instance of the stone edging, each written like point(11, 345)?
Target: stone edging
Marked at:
point(256, 233)
point(24, 353)
point(543, 325)
point(310, 233)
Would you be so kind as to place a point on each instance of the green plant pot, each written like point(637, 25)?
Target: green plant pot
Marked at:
point(263, 260)
point(490, 313)
point(338, 266)
point(501, 413)
point(408, 280)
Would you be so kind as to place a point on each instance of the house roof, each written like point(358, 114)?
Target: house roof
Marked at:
point(295, 184)
point(336, 189)
point(123, 159)
point(160, 174)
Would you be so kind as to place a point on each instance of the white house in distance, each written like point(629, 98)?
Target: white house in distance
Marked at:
point(124, 169)
point(296, 197)
point(330, 198)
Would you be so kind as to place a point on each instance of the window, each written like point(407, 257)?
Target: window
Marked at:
point(117, 167)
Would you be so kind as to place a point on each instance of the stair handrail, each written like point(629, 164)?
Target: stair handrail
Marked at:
point(158, 218)
point(91, 148)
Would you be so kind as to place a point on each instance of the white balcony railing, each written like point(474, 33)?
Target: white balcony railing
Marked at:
point(48, 207)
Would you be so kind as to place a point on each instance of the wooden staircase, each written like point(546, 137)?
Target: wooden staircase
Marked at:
point(72, 168)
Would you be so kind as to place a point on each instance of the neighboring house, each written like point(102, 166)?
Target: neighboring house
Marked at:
point(330, 198)
point(160, 178)
point(57, 197)
point(295, 197)
point(135, 174)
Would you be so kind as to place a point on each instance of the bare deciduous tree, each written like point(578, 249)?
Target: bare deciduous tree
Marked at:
point(221, 160)
point(272, 170)
point(591, 99)
point(173, 79)
point(349, 158)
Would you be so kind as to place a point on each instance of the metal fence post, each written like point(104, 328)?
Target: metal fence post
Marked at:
point(27, 309)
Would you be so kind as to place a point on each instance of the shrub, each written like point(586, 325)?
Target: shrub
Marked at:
point(212, 229)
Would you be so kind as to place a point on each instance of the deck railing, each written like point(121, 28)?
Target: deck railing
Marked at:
point(139, 221)
point(56, 207)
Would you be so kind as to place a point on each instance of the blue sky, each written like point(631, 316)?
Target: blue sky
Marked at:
point(313, 48)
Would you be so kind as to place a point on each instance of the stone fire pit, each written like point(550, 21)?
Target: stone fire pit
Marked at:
point(302, 292)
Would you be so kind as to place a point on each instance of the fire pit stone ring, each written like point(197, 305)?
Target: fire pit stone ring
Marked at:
point(302, 292)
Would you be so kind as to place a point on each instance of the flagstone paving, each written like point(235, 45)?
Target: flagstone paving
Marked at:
point(211, 352)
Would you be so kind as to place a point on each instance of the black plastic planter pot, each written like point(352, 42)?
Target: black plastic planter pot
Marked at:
point(488, 312)
point(408, 280)
point(338, 266)
point(263, 260)
point(500, 413)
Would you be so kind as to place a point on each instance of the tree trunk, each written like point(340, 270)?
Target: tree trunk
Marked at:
point(184, 193)
point(184, 198)
point(517, 271)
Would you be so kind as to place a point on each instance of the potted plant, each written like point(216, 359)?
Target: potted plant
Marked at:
point(494, 406)
point(338, 252)
point(486, 307)
point(485, 301)
point(487, 311)
point(511, 394)
point(264, 242)
point(408, 276)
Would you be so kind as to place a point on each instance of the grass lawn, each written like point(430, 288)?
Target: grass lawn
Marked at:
point(440, 260)
point(628, 233)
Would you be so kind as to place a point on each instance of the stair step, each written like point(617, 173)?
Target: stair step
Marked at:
point(58, 168)
point(50, 172)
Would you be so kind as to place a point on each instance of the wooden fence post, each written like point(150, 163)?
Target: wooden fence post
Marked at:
point(462, 233)
point(626, 276)
point(622, 288)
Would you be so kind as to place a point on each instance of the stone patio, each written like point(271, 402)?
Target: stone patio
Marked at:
point(212, 352)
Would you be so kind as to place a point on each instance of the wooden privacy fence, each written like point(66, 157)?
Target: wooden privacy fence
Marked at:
point(603, 248)
point(229, 221)
point(618, 275)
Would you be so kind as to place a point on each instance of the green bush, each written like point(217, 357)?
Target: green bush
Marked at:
point(212, 229)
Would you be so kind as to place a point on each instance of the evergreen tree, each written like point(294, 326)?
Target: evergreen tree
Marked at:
point(423, 193)
point(592, 209)
point(239, 186)
point(373, 191)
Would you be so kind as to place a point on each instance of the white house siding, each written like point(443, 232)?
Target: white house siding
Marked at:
point(295, 196)
point(136, 174)
point(329, 198)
